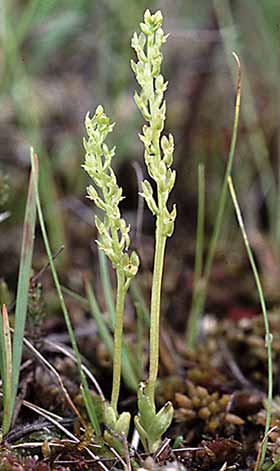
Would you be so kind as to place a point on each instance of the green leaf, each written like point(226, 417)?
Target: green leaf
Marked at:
point(149, 424)
point(161, 422)
point(118, 427)
point(146, 408)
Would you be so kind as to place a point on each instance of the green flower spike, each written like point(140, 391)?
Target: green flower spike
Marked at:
point(158, 155)
point(113, 240)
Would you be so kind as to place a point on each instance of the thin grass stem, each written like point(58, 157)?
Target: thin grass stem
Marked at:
point(200, 304)
point(192, 323)
point(97, 316)
point(268, 336)
point(80, 299)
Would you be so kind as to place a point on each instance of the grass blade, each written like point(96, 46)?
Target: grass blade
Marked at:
point(85, 389)
point(138, 297)
point(23, 282)
point(192, 323)
point(97, 316)
point(25, 23)
point(129, 368)
point(76, 296)
point(140, 338)
point(268, 336)
point(7, 368)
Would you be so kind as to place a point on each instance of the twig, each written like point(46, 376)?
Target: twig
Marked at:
point(161, 448)
point(126, 453)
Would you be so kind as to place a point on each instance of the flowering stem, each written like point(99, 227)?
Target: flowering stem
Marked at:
point(155, 310)
point(158, 155)
point(120, 302)
point(113, 230)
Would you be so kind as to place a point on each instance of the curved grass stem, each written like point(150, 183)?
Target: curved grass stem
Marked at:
point(201, 298)
point(268, 336)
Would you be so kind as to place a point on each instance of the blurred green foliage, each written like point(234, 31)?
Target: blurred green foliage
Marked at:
point(60, 59)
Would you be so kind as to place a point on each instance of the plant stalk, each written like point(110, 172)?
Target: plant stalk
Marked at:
point(118, 331)
point(155, 309)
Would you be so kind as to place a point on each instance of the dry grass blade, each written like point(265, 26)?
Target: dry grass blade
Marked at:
point(54, 421)
point(57, 376)
point(258, 460)
point(66, 351)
